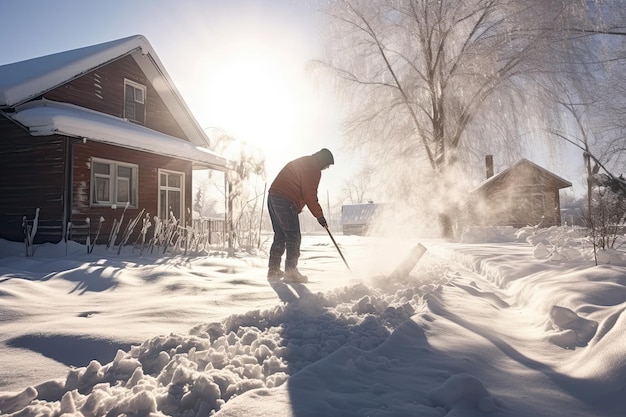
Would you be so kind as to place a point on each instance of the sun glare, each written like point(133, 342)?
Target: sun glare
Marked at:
point(254, 97)
point(262, 97)
point(248, 78)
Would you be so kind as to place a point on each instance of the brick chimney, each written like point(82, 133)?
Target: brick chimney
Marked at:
point(489, 165)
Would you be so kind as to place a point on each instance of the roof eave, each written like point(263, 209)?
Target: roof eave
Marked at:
point(48, 118)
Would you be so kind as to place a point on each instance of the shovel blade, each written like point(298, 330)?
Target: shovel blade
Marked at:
point(406, 266)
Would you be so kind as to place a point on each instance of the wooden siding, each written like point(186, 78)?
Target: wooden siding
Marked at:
point(512, 200)
point(514, 208)
point(102, 90)
point(35, 170)
point(148, 183)
point(32, 177)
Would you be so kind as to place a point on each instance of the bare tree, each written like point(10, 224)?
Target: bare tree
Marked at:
point(358, 188)
point(592, 88)
point(607, 213)
point(241, 188)
point(420, 72)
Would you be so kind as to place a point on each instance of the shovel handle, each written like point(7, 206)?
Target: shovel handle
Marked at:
point(336, 246)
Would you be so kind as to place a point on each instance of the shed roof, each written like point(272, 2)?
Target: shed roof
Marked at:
point(359, 214)
point(559, 182)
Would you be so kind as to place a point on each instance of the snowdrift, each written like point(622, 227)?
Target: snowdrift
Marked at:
point(498, 328)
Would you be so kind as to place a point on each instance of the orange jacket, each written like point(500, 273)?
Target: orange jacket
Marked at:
point(298, 182)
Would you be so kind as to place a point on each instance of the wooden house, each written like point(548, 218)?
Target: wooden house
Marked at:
point(523, 194)
point(89, 132)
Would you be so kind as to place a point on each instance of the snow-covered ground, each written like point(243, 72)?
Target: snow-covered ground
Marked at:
point(507, 323)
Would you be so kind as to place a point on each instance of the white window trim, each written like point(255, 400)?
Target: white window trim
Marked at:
point(181, 221)
point(139, 87)
point(113, 179)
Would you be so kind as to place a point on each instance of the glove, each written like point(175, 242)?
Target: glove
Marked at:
point(321, 220)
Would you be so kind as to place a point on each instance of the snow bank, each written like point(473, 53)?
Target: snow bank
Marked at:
point(199, 372)
point(552, 243)
point(477, 329)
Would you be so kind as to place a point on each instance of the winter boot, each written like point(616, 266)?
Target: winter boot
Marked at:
point(275, 274)
point(293, 275)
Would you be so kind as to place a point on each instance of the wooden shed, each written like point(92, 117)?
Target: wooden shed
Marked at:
point(88, 132)
point(356, 219)
point(523, 194)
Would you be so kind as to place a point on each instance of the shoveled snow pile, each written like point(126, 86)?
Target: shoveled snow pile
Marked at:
point(492, 327)
point(215, 362)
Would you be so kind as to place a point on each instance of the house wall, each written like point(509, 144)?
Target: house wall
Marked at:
point(148, 183)
point(32, 176)
point(34, 168)
point(502, 210)
point(103, 90)
point(499, 204)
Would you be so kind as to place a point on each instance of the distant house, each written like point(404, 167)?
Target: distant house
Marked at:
point(87, 132)
point(356, 219)
point(521, 195)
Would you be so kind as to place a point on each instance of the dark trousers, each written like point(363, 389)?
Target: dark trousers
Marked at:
point(286, 225)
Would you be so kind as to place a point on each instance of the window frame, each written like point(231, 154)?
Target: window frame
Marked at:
point(167, 188)
point(136, 103)
point(113, 188)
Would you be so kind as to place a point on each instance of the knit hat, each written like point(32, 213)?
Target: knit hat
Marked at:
point(324, 157)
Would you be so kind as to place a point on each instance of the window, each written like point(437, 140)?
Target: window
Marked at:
point(134, 102)
point(113, 183)
point(171, 195)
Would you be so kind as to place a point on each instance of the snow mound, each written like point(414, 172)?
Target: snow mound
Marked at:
point(562, 244)
point(463, 390)
point(216, 362)
point(571, 329)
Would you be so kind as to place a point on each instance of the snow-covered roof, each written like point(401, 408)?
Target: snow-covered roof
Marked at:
point(25, 80)
point(45, 117)
point(355, 214)
point(560, 181)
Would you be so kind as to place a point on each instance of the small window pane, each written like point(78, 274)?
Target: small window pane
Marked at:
point(173, 198)
point(102, 190)
point(124, 172)
point(140, 113)
point(123, 190)
point(129, 110)
point(138, 95)
point(99, 168)
point(174, 181)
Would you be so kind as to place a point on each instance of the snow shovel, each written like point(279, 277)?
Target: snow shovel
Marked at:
point(405, 267)
point(336, 246)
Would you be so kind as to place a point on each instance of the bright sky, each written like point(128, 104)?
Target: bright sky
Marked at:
point(240, 65)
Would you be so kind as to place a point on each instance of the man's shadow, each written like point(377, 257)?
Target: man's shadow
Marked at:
point(291, 291)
